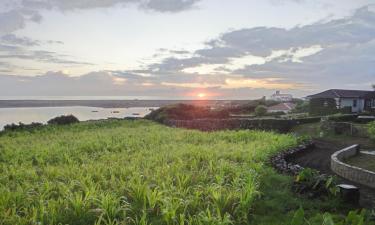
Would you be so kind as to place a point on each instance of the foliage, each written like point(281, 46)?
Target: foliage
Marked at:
point(63, 120)
point(322, 106)
point(21, 126)
point(139, 172)
point(276, 114)
point(371, 130)
point(354, 217)
point(185, 112)
point(310, 182)
point(346, 110)
point(260, 110)
point(250, 106)
point(301, 107)
point(133, 172)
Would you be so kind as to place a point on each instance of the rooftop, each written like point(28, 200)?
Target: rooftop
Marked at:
point(340, 93)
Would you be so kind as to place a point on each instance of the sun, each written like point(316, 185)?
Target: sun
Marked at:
point(201, 95)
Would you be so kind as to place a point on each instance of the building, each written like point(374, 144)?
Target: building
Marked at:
point(281, 97)
point(284, 107)
point(357, 100)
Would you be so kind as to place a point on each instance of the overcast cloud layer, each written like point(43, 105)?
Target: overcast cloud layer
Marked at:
point(338, 53)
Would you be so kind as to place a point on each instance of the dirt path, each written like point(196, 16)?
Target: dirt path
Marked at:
point(319, 158)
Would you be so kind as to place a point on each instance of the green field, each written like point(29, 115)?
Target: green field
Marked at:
point(139, 172)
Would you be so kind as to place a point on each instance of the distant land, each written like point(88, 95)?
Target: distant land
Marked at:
point(113, 103)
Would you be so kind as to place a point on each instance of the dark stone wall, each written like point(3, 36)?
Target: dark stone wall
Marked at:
point(234, 124)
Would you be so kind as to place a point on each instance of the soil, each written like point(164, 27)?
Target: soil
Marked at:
point(319, 158)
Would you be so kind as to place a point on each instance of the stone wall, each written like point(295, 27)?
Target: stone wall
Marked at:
point(234, 124)
point(350, 172)
point(281, 161)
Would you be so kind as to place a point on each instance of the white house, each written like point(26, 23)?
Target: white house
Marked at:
point(281, 97)
point(357, 100)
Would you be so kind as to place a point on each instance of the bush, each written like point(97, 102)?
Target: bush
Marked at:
point(261, 110)
point(185, 112)
point(63, 120)
point(314, 184)
point(371, 130)
point(322, 106)
point(343, 118)
point(276, 114)
point(301, 107)
point(21, 126)
point(346, 110)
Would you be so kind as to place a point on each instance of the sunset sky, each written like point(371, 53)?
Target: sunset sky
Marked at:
point(184, 49)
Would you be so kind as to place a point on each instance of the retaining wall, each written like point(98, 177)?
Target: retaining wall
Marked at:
point(350, 172)
point(233, 124)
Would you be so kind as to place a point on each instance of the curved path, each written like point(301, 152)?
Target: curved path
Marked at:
point(319, 158)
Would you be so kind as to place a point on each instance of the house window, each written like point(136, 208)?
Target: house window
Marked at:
point(355, 103)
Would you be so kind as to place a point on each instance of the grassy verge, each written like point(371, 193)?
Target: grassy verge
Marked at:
point(139, 172)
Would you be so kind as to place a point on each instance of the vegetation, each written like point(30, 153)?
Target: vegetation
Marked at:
point(63, 120)
point(138, 172)
point(322, 106)
point(184, 111)
point(21, 126)
point(301, 107)
point(261, 110)
point(314, 184)
point(371, 130)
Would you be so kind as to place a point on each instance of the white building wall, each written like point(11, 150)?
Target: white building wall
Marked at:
point(348, 102)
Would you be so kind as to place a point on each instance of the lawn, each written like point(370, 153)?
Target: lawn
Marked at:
point(139, 172)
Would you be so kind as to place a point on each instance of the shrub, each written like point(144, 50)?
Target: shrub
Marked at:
point(276, 114)
point(354, 217)
point(346, 110)
point(21, 126)
point(63, 120)
point(314, 184)
point(342, 118)
point(260, 110)
point(185, 112)
point(371, 130)
point(322, 106)
point(301, 107)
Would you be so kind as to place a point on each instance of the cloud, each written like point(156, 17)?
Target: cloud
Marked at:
point(168, 5)
point(117, 83)
point(338, 52)
point(14, 40)
point(15, 52)
point(14, 14)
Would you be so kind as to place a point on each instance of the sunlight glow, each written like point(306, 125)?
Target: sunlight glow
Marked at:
point(201, 95)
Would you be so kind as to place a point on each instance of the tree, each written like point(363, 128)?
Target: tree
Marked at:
point(322, 106)
point(302, 107)
point(373, 86)
point(260, 110)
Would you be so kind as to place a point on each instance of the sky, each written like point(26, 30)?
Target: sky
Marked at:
point(184, 49)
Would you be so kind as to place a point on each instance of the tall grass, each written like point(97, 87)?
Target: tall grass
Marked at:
point(132, 172)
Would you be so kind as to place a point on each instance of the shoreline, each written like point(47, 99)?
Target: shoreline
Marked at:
point(110, 103)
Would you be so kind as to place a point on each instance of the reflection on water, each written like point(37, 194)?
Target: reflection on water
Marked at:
point(43, 114)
